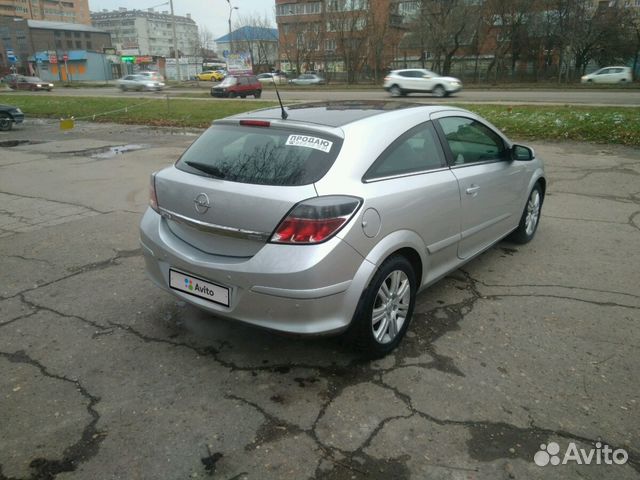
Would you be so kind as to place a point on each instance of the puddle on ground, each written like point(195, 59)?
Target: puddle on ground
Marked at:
point(111, 152)
point(15, 143)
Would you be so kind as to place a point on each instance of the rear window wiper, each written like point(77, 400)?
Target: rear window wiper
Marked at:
point(203, 167)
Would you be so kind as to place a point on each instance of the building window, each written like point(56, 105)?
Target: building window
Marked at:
point(69, 43)
point(346, 5)
point(330, 45)
point(312, 8)
point(78, 44)
point(87, 35)
point(76, 34)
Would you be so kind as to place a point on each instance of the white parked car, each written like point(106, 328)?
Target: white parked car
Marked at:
point(269, 78)
point(609, 75)
point(139, 82)
point(420, 80)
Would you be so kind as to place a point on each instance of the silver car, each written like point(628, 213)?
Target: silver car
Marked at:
point(307, 79)
point(333, 219)
point(140, 82)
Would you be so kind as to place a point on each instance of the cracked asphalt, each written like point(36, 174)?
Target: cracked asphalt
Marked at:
point(104, 376)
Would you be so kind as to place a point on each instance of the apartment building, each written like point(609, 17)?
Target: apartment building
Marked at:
point(68, 11)
point(146, 32)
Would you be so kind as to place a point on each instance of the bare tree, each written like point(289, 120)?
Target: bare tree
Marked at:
point(347, 21)
point(509, 19)
point(446, 24)
point(254, 35)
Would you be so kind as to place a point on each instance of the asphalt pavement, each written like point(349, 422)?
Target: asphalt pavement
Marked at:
point(104, 376)
point(628, 97)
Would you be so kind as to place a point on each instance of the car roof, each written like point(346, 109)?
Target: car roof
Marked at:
point(332, 114)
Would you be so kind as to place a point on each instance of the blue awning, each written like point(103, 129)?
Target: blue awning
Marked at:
point(74, 55)
point(77, 54)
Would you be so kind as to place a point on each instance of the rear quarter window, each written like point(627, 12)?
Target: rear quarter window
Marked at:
point(261, 155)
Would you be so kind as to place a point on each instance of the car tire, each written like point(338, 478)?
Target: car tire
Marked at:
point(232, 95)
point(396, 91)
point(530, 217)
point(257, 94)
point(377, 334)
point(6, 122)
point(439, 91)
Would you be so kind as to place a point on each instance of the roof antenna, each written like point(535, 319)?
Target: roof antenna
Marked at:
point(285, 115)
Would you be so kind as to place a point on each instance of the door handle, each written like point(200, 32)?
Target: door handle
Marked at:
point(472, 190)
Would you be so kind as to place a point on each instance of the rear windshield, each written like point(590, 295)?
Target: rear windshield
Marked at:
point(261, 155)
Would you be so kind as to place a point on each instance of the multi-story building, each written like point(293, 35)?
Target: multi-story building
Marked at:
point(26, 37)
point(146, 32)
point(340, 38)
point(69, 11)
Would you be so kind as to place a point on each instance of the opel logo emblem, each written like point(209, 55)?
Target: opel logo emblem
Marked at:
point(202, 203)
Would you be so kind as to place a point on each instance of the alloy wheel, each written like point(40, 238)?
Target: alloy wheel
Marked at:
point(391, 306)
point(533, 212)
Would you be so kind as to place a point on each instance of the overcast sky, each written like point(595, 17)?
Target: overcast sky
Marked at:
point(214, 14)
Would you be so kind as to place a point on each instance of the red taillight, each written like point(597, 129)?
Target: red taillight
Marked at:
point(153, 198)
point(316, 220)
point(255, 123)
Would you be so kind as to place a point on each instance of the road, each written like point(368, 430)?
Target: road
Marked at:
point(626, 97)
point(103, 375)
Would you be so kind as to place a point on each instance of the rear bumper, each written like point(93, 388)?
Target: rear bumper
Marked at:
point(309, 290)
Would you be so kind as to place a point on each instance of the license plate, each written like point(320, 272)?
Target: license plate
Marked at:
point(198, 288)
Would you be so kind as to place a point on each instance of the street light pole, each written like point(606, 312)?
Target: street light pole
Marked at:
point(231, 9)
point(175, 42)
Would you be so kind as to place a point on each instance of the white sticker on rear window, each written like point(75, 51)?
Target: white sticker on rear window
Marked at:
point(310, 142)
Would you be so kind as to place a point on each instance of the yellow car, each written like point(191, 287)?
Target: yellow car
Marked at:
point(210, 75)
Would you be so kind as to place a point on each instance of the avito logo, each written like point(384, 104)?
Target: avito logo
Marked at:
point(602, 454)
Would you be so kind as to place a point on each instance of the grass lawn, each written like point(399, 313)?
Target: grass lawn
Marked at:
point(541, 122)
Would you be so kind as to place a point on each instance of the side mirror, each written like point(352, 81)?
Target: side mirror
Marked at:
point(522, 153)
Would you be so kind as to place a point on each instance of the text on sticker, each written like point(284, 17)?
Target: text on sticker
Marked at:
point(310, 142)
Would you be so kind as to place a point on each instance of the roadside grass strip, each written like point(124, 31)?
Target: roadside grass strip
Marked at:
point(608, 125)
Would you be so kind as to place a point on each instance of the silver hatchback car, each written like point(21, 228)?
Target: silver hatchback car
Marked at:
point(334, 218)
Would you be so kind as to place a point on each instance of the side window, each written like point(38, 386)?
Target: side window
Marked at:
point(415, 151)
point(471, 141)
point(404, 74)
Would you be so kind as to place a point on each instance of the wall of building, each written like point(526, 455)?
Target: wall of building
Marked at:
point(14, 35)
point(81, 66)
point(151, 33)
point(43, 39)
point(70, 11)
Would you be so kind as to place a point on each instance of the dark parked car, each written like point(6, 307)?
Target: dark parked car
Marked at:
point(238, 86)
point(8, 116)
point(29, 83)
